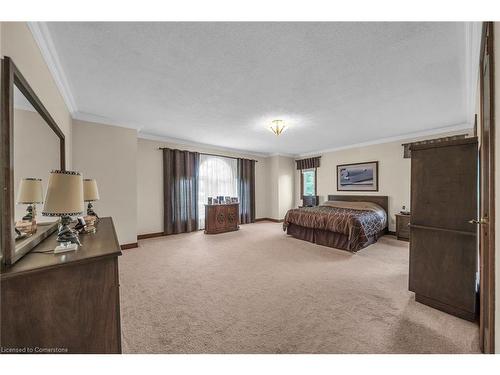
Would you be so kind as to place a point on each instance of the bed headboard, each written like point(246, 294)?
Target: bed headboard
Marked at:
point(381, 200)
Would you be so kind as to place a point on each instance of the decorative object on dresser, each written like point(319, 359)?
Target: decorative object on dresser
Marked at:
point(70, 302)
point(221, 218)
point(402, 227)
point(358, 176)
point(30, 192)
point(443, 243)
point(64, 199)
point(90, 194)
point(404, 211)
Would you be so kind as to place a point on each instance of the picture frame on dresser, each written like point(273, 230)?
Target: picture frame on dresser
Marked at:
point(12, 82)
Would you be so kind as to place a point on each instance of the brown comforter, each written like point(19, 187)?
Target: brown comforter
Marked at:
point(358, 220)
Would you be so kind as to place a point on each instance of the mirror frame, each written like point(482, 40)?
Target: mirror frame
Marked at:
point(12, 76)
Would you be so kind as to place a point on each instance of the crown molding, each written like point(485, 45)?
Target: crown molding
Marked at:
point(473, 32)
point(283, 155)
point(42, 37)
point(402, 137)
point(183, 142)
point(96, 119)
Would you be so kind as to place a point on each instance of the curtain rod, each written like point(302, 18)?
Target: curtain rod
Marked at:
point(204, 153)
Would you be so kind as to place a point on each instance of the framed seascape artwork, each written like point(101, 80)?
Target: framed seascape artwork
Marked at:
point(358, 176)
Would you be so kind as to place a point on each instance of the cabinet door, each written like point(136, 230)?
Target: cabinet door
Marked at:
point(232, 216)
point(220, 218)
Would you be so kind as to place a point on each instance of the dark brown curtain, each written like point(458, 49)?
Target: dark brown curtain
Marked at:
point(180, 191)
point(407, 146)
point(246, 190)
point(308, 163)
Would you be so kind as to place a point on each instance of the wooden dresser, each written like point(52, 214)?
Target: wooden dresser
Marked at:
point(220, 218)
point(64, 303)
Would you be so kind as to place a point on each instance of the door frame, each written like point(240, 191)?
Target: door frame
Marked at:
point(487, 254)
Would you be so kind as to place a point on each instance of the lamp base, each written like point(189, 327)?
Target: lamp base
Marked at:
point(65, 246)
point(66, 234)
point(91, 212)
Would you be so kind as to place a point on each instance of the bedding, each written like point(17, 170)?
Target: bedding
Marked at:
point(341, 224)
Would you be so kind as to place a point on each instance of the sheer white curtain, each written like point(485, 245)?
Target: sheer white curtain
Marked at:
point(217, 176)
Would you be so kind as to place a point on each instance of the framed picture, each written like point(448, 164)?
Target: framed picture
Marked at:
point(210, 200)
point(358, 176)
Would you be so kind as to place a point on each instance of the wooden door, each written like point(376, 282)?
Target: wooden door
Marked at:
point(443, 245)
point(487, 193)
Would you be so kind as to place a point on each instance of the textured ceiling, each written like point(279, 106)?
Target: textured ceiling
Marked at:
point(336, 84)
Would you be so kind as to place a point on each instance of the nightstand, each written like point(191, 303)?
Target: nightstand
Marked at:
point(402, 227)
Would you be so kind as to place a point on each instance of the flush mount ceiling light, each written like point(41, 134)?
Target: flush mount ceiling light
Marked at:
point(277, 126)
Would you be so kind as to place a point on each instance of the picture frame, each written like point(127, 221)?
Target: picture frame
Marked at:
point(358, 176)
point(210, 200)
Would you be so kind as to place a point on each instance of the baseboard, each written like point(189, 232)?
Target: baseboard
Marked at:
point(150, 235)
point(145, 236)
point(391, 233)
point(132, 245)
point(269, 219)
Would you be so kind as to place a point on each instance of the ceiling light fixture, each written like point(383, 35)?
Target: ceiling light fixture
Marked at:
point(277, 126)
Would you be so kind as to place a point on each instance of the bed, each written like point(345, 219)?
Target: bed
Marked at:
point(347, 222)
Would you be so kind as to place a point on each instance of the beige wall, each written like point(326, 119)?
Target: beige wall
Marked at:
point(109, 154)
point(394, 173)
point(150, 182)
point(36, 153)
point(18, 43)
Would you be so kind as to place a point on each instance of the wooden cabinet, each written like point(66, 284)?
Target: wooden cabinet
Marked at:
point(64, 303)
point(220, 218)
point(443, 245)
point(402, 227)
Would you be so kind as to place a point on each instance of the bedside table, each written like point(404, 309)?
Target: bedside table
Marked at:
point(402, 228)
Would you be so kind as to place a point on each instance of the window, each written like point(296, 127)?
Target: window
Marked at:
point(308, 182)
point(217, 176)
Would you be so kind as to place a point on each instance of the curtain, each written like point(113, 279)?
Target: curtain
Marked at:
point(407, 146)
point(246, 190)
point(309, 163)
point(180, 190)
point(217, 176)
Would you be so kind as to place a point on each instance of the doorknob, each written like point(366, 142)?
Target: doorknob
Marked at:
point(480, 221)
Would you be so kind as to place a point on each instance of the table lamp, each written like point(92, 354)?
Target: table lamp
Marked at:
point(90, 194)
point(64, 198)
point(30, 193)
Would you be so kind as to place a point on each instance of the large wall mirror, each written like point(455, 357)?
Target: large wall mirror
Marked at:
point(31, 146)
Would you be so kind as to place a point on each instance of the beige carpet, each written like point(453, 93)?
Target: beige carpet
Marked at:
point(260, 291)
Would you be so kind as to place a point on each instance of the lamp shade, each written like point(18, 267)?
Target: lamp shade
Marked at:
point(64, 195)
point(90, 192)
point(30, 191)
